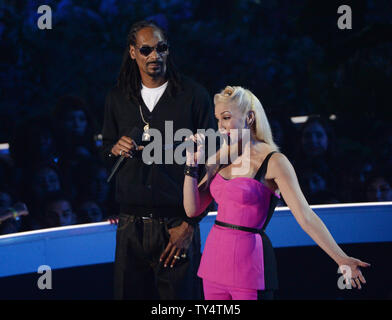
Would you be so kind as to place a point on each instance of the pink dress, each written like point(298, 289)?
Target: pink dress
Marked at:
point(235, 257)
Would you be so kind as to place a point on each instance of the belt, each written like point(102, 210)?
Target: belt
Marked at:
point(235, 227)
point(151, 217)
point(148, 217)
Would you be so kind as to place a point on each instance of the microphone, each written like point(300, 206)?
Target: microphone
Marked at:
point(136, 136)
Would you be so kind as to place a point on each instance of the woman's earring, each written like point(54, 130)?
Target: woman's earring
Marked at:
point(249, 121)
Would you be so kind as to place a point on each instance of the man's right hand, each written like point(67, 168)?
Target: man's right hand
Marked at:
point(124, 146)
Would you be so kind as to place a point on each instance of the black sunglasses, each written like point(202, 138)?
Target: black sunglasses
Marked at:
point(160, 48)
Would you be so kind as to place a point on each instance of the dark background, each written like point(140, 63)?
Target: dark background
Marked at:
point(291, 54)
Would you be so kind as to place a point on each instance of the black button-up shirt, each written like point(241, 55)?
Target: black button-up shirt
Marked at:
point(157, 189)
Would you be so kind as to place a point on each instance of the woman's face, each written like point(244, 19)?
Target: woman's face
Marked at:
point(379, 190)
point(75, 122)
point(229, 118)
point(46, 180)
point(91, 210)
point(314, 139)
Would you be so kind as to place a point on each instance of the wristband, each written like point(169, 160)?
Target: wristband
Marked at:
point(15, 214)
point(191, 171)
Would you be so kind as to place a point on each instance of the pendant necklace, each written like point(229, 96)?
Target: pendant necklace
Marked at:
point(146, 136)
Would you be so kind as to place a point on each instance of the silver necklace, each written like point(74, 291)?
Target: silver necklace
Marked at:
point(146, 136)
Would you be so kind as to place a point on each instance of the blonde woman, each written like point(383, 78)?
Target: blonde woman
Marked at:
point(238, 257)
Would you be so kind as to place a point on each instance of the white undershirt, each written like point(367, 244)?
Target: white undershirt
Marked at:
point(151, 96)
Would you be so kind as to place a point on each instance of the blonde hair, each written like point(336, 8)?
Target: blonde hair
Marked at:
point(245, 101)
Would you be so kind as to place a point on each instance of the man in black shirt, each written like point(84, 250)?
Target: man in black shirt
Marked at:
point(158, 247)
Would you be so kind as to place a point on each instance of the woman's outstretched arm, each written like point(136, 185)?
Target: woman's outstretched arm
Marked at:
point(283, 173)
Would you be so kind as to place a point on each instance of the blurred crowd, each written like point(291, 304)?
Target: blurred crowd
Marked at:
point(327, 172)
point(57, 172)
point(292, 56)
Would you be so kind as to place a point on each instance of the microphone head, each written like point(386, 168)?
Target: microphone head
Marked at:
point(136, 135)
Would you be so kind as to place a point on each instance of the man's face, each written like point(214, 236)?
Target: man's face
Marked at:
point(153, 65)
point(59, 213)
point(314, 140)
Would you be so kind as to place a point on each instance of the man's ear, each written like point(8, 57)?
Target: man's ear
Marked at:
point(132, 52)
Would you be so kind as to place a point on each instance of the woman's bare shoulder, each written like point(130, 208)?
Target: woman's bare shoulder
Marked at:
point(277, 163)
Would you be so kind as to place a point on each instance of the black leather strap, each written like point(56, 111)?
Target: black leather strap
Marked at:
point(235, 227)
point(260, 175)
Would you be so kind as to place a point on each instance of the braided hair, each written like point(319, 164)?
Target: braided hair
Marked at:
point(129, 80)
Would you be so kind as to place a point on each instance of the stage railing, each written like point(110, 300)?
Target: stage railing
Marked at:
point(88, 244)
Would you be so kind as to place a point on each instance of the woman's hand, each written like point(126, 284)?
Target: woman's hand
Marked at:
point(193, 158)
point(355, 277)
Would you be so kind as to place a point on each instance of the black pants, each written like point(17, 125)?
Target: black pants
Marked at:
point(138, 272)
